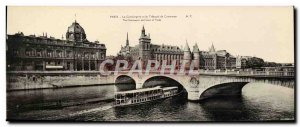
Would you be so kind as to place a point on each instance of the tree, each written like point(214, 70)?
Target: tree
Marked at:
point(255, 62)
point(271, 64)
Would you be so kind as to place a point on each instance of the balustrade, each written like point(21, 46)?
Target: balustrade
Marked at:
point(250, 73)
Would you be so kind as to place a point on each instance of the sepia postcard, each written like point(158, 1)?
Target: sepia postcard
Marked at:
point(150, 64)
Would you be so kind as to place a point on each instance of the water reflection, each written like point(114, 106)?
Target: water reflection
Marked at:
point(23, 101)
point(257, 102)
point(226, 108)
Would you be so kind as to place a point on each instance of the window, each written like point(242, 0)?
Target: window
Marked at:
point(28, 52)
point(39, 52)
point(69, 54)
point(102, 56)
point(93, 55)
point(49, 53)
point(15, 52)
point(86, 55)
point(59, 53)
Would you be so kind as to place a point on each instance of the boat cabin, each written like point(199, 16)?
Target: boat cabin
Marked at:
point(138, 96)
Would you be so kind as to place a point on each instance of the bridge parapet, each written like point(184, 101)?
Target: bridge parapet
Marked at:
point(248, 73)
point(218, 82)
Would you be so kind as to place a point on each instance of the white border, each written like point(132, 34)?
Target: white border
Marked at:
point(4, 3)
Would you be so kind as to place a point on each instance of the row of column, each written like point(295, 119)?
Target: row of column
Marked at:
point(58, 53)
point(168, 57)
point(83, 63)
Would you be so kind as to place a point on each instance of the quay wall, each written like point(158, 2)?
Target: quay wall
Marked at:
point(42, 80)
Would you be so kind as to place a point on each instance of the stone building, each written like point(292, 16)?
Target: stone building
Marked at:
point(145, 50)
point(43, 53)
point(241, 61)
point(213, 59)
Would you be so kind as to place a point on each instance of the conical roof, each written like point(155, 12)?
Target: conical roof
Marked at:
point(127, 40)
point(187, 48)
point(212, 48)
point(196, 48)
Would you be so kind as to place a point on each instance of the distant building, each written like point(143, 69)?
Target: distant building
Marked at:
point(41, 53)
point(145, 50)
point(213, 59)
point(241, 61)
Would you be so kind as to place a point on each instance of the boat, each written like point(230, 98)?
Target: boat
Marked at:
point(139, 96)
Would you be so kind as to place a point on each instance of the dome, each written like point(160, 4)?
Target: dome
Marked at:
point(75, 33)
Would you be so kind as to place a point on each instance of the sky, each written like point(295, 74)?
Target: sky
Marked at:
point(265, 32)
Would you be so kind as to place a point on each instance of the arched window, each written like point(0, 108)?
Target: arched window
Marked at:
point(15, 52)
point(69, 54)
point(102, 56)
point(59, 53)
point(93, 56)
point(49, 53)
point(86, 55)
point(39, 52)
point(28, 52)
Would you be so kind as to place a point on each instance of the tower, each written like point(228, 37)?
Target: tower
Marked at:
point(196, 54)
point(187, 57)
point(144, 45)
point(127, 41)
point(187, 52)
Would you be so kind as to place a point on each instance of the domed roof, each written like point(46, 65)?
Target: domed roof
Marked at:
point(75, 33)
point(75, 27)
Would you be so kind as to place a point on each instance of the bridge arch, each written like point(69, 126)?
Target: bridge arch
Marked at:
point(223, 89)
point(124, 82)
point(164, 81)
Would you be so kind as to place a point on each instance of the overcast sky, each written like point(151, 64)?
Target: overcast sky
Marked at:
point(265, 32)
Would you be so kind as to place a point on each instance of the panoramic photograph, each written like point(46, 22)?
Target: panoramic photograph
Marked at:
point(150, 64)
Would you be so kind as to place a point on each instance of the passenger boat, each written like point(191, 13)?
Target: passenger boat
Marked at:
point(139, 96)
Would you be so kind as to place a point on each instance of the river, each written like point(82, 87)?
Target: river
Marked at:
point(93, 103)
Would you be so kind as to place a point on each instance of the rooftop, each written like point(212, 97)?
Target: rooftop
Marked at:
point(139, 90)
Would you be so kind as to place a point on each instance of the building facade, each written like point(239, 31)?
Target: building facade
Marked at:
point(241, 61)
point(213, 59)
point(43, 53)
point(145, 50)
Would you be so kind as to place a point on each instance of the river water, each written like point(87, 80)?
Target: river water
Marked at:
point(93, 103)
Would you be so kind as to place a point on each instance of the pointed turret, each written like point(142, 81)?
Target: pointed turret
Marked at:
point(143, 32)
point(187, 52)
point(196, 56)
point(75, 18)
point(187, 48)
point(196, 48)
point(127, 40)
point(212, 48)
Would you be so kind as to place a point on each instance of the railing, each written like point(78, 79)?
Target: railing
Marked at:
point(210, 72)
point(248, 73)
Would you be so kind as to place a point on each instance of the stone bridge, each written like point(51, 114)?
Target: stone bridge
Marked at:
point(206, 84)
